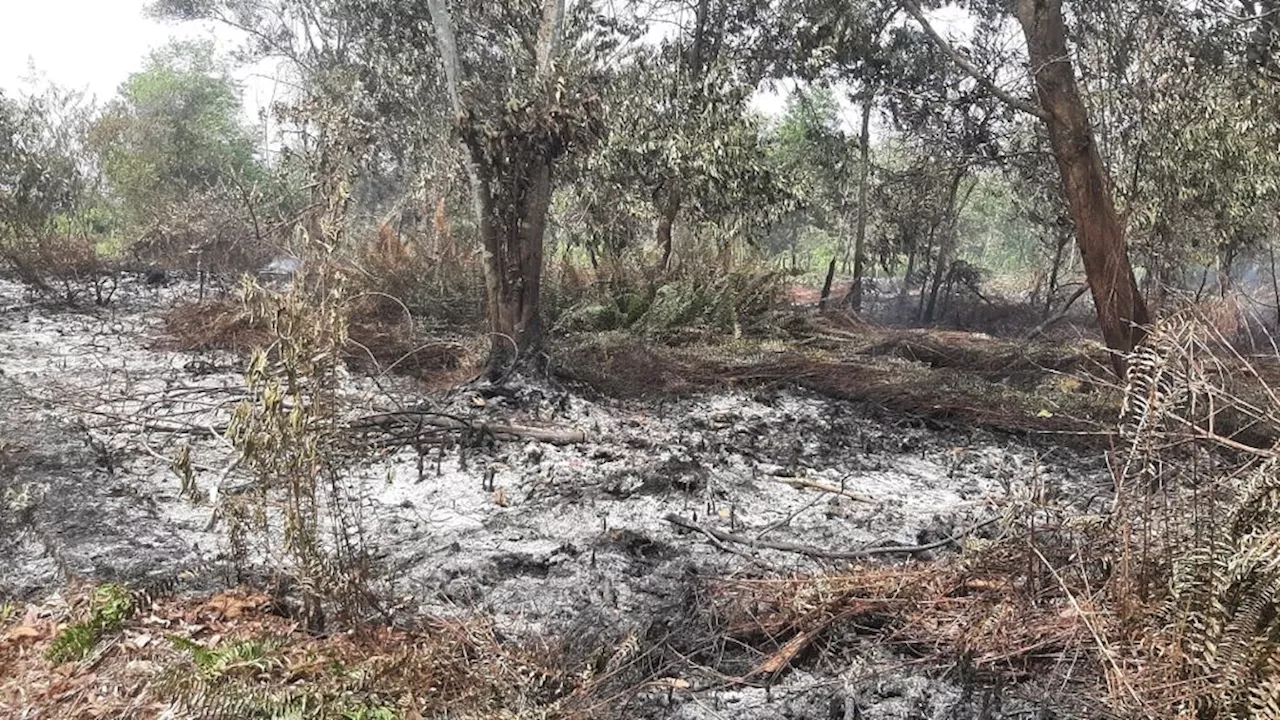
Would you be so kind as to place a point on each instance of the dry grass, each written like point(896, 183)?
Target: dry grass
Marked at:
point(379, 341)
point(1162, 608)
point(230, 656)
point(937, 376)
point(997, 608)
point(213, 325)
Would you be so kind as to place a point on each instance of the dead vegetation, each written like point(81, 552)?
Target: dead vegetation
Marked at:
point(63, 267)
point(380, 341)
point(231, 656)
point(1148, 607)
point(1164, 604)
point(935, 376)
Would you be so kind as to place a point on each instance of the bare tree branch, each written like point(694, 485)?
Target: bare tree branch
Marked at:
point(548, 35)
point(442, 19)
point(913, 8)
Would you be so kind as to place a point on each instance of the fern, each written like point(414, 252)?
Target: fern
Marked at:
point(1226, 596)
point(110, 606)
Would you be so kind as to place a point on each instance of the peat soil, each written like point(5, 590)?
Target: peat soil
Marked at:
point(565, 541)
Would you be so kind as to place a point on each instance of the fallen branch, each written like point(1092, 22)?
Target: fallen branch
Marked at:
point(802, 484)
point(823, 553)
point(1049, 322)
point(420, 419)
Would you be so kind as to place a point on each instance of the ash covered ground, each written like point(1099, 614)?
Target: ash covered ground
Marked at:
point(568, 540)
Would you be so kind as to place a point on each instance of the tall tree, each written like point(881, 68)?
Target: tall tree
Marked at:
point(512, 150)
point(851, 46)
point(175, 131)
point(1100, 236)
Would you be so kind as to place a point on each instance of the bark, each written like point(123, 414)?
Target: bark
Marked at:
point(513, 243)
point(1122, 312)
point(854, 298)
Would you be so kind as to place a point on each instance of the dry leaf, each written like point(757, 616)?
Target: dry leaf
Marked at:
point(232, 605)
point(23, 631)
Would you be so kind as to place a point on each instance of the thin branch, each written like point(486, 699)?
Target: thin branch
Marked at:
point(823, 553)
point(913, 8)
point(1038, 330)
point(442, 19)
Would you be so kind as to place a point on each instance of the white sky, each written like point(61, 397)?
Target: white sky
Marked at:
point(81, 44)
point(94, 45)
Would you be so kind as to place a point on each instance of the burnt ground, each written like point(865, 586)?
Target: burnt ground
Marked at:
point(565, 541)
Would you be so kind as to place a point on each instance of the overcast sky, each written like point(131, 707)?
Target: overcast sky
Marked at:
point(95, 44)
point(91, 44)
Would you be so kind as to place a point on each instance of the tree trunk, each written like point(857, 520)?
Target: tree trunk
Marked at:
point(946, 247)
point(671, 195)
point(510, 179)
point(1059, 246)
point(826, 285)
point(666, 222)
point(906, 274)
point(926, 264)
point(854, 298)
point(1122, 312)
point(513, 243)
point(1275, 282)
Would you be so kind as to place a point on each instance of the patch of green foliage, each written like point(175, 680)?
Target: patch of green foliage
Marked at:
point(109, 608)
point(248, 678)
point(250, 654)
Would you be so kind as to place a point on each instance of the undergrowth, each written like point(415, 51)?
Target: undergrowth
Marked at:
point(110, 606)
point(299, 514)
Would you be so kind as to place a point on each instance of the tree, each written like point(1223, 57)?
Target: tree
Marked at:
point(512, 150)
point(40, 174)
point(1122, 311)
point(813, 155)
point(174, 131)
point(181, 164)
point(846, 44)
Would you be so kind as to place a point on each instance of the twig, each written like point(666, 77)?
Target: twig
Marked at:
point(801, 483)
point(1059, 316)
point(720, 544)
point(811, 551)
point(450, 422)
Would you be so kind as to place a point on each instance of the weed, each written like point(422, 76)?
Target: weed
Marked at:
point(110, 606)
point(380, 712)
point(252, 655)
